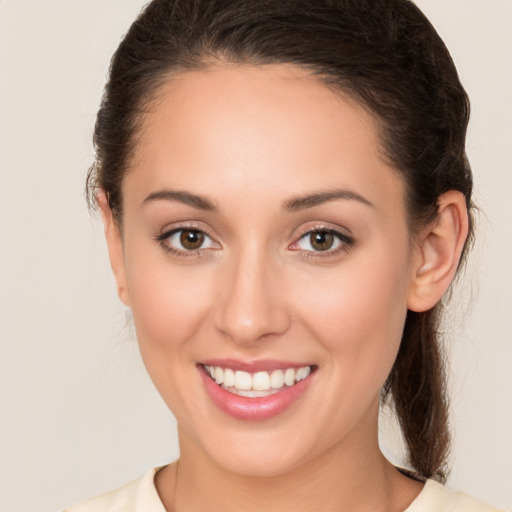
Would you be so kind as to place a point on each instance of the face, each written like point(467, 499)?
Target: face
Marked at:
point(264, 242)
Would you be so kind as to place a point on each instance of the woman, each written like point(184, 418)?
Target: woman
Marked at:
point(286, 199)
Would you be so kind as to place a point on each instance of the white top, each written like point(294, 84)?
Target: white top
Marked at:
point(141, 496)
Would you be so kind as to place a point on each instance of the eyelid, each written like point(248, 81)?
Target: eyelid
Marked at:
point(184, 225)
point(169, 231)
point(346, 240)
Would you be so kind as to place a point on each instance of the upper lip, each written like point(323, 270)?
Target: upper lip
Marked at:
point(261, 365)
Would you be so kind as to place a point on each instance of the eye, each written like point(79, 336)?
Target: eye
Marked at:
point(186, 240)
point(322, 240)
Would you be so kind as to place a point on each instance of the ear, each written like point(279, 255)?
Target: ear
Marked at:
point(438, 252)
point(115, 246)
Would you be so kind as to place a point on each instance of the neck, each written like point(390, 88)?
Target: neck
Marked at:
point(352, 476)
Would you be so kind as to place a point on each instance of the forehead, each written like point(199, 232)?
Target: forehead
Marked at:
point(270, 129)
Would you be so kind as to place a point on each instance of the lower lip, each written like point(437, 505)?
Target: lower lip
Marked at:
point(258, 408)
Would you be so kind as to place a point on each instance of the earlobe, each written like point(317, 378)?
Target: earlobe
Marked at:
point(115, 246)
point(438, 252)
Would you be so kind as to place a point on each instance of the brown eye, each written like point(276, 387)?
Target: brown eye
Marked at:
point(186, 241)
point(191, 239)
point(321, 240)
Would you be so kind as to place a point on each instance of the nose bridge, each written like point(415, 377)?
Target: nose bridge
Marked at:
point(250, 305)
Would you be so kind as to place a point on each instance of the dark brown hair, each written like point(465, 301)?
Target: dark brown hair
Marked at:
point(383, 53)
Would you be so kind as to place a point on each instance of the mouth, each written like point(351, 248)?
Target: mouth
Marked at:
point(255, 391)
point(257, 384)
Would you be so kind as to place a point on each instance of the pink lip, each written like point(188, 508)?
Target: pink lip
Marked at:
point(259, 408)
point(263, 365)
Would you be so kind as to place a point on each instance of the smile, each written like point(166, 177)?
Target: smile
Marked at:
point(255, 391)
point(256, 384)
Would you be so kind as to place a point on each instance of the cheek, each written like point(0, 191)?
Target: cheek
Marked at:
point(169, 303)
point(357, 312)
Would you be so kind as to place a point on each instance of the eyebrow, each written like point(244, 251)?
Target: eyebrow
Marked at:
point(292, 205)
point(194, 200)
point(311, 200)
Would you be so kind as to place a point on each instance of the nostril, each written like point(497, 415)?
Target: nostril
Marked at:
point(250, 309)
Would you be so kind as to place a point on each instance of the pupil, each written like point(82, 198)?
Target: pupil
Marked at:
point(322, 240)
point(191, 239)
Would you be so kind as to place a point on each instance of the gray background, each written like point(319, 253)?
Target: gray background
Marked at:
point(78, 414)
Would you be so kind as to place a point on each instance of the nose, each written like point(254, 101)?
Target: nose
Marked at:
point(251, 303)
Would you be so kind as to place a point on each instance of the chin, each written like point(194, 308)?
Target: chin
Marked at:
point(269, 452)
point(257, 464)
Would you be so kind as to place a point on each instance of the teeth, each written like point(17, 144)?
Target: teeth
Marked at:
point(243, 381)
point(302, 373)
point(257, 384)
point(219, 375)
point(261, 381)
point(277, 379)
point(289, 377)
point(229, 378)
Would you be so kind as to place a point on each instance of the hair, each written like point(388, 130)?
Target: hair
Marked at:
point(384, 54)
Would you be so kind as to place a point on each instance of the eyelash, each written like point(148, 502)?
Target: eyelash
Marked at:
point(345, 242)
point(182, 253)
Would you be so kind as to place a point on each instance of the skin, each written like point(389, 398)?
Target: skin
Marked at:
point(250, 140)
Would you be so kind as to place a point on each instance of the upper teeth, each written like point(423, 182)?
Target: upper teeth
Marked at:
point(259, 381)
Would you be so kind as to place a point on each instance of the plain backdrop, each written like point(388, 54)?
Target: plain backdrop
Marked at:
point(78, 415)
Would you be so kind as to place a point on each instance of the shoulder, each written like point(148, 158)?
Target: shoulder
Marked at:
point(436, 496)
point(137, 496)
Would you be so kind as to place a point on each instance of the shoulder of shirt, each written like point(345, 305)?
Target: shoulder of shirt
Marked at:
point(121, 499)
point(436, 496)
point(128, 498)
